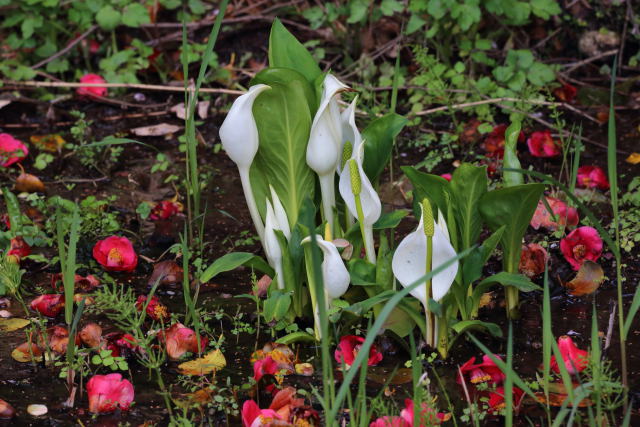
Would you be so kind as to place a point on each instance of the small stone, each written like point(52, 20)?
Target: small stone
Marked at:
point(5, 314)
point(37, 410)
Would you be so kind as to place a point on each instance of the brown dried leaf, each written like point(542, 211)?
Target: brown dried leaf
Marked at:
point(168, 272)
point(212, 361)
point(23, 355)
point(13, 324)
point(27, 183)
point(155, 130)
point(51, 143)
point(587, 281)
point(91, 335)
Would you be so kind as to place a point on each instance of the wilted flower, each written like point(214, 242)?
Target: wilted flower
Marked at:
point(348, 349)
point(19, 248)
point(389, 421)
point(48, 305)
point(581, 244)
point(57, 338)
point(264, 366)
point(494, 142)
point(108, 392)
point(427, 414)
point(532, 260)
point(446, 176)
point(116, 254)
point(165, 210)
point(179, 339)
point(6, 410)
point(542, 144)
point(83, 283)
point(565, 215)
point(11, 150)
point(253, 416)
point(91, 335)
point(575, 360)
point(486, 371)
point(566, 93)
point(155, 309)
point(592, 177)
point(239, 138)
point(497, 401)
point(285, 410)
point(92, 91)
point(120, 344)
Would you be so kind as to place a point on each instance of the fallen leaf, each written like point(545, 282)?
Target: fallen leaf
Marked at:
point(212, 361)
point(155, 130)
point(91, 335)
point(167, 272)
point(634, 158)
point(13, 324)
point(532, 260)
point(304, 369)
point(52, 143)
point(27, 183)
point(587, 280)
point(23, 355)
point(381, 375)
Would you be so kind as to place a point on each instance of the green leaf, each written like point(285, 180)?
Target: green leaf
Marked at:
point(135, 14)
point(545, 8)
point(389, 220)
point(513, 208)
point(234, 260)
point(108, 18)
point(296, 337)
point(378, 143)
point(468, 325)
point(389, 7)
point(284, 120)
point(472, 265)
point(276, 306)
point(286, 51)
point(505, 279)
point(357, 11)
point(511, 160)
point(468, 185)
point(540, 74)
point(415, 23)
point(96, 360)
point(433, 187)
point(13, 210)
point(362, 272)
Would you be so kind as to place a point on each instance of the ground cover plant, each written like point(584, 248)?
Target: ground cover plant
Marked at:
point(267, 213)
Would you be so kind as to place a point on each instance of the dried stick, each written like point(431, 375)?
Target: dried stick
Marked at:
point(31, 83)
point(67, 48)
point(579, 64)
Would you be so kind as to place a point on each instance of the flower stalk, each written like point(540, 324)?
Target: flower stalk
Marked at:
point(365, 230)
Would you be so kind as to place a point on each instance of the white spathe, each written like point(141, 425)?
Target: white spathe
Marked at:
point(280, 214)
point(239, 132)
point(409, 261)
point(325, 140)
point(272, 245)
point(350, 131)
point(239, 137)
point(335, 275)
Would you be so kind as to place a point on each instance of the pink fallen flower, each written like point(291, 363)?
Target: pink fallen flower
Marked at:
point(532, 260)
point(92, 91)
point(48, 305)
point(446, 176)
point(108, 392)
point(542, 144)
point(581, 244)
point(349, 347)
point(486, 371)
point(11, 150)
point(388, 421)
point(564, 215)
point(427, 414)
point(592, 177)
point(575, 360)
point(165, 210)
point(116, 254)
point(566, 93)
point(19, 248)
point(179, 339)
point(497, 399)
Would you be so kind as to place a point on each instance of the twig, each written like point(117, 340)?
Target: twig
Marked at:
point(31, 83)
point(575, 65)
point(79, 180)
point(612, 318)
point(627, 18)
point(67, 48)
point(506, 99)
point(546, 39)
point(71, 123)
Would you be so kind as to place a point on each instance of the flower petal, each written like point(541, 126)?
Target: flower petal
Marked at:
point(371, 206)
point(350, 131)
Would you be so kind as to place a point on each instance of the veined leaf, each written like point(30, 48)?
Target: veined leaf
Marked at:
point(287, 52)
point(427, 185)
point(284, 120)
point(234, 260)
point(468, 185)
point(378, 137)
point(506, 279)
point(512, 207)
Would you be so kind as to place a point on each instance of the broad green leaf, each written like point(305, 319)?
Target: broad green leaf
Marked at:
point(468, 185)
point(511, 135)
point(287, 52)
point(400, 322)
point(472, 265)
point(135, 14)
point(284, 121)
point(468, 325)
point(505, 279)
point(540, 74)
point(513, 208)
point(427, 185)
point(276, 306)
point(362, 272)
point(234, 260)
point(13, 210)
point(389, 220)
point(296, 337)
point(378, 143)
point(108, 18)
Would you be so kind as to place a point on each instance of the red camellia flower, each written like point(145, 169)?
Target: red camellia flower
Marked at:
point(155, 309)
point(179, 339)
point(253, 416)
point(48, 305)
point(108, 392)
point(266, 366)
point(496, 399)
point(428, 415)
point(565, 215)
point(165, 210)
point(120, 344)
point(541, 144)
point(116, 254)
point(349, 347)
point(487, 371)
point(19, 248)
point(388, 421)
point(566, 93)
point(285, 410)
point(92, 91)
point(575, 360)
point(446, 176)
point(581, 244)
point(592, 177)
point(11, 150)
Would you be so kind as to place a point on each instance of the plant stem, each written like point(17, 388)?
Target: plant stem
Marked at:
point(328, 197)
point(430, 333)
point(367, 232)
point(251, 202)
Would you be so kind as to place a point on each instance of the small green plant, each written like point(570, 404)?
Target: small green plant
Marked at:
point(99, 157)
point(106, 359)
